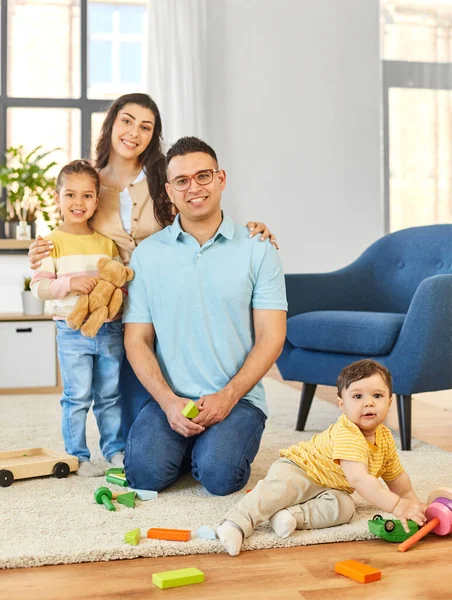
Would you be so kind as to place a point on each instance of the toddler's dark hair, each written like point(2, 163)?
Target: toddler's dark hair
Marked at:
point(362, 369)
point(78, 167)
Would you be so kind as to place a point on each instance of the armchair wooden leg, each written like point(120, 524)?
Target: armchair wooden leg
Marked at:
point(307, 394)
point(404, 414)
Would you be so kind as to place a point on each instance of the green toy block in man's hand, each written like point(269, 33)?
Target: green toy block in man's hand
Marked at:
point(190, 410)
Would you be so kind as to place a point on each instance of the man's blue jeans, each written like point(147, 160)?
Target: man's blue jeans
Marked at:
point(90, 370)
point(219, 458)
point(133, 396)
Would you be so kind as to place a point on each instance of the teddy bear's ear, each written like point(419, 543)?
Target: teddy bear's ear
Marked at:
point(102, 262)
point(130, 274)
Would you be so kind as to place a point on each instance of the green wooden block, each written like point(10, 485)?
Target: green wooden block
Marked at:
point(133, 537)
point(115, 471)
point(190, 410)
point(117, 480)
point(170, 579)
point(127, 499)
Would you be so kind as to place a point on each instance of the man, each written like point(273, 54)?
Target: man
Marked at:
point(206, 319)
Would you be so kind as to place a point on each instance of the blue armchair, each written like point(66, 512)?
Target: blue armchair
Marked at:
point(393, 304)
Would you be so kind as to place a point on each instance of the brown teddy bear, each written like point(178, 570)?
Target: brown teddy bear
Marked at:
point(104, 301)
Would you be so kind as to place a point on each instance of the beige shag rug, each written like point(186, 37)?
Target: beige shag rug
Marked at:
point(49, 521)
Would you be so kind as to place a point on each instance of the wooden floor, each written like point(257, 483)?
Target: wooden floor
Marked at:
point(281, 574)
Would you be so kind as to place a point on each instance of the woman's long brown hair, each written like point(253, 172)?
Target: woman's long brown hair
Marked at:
point(152, 159)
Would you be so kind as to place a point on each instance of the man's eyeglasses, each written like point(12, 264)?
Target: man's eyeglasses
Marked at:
point(183, 182)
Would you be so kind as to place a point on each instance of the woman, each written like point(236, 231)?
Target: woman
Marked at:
point(132, 202)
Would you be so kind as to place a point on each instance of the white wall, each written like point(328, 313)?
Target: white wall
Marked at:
point(13, 269)
point(293, 97)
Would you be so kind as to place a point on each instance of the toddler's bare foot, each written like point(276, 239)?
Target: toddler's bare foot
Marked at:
point(283, 523)
point(231, 537)
point(87, 469)
point(117, 460)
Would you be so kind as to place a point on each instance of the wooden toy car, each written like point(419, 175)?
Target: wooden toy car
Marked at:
point(391, 530)
point(34, 462)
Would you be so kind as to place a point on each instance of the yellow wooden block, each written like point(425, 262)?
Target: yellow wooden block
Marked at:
point(133, 537)
point(177, 578)
point(190, 410)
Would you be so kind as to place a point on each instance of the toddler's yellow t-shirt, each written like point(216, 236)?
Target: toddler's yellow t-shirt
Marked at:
point(320, 456)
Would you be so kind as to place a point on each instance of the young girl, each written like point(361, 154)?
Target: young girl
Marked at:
point(90, 367)
point(310, 486)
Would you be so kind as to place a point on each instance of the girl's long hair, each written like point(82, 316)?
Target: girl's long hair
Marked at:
point(152, 159)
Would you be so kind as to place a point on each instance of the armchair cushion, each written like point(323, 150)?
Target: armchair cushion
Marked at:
point(345, 332)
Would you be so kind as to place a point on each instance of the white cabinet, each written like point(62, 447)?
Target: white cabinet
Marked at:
point(27, 354)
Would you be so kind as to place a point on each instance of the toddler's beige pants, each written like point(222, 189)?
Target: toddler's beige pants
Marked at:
point(287, 486)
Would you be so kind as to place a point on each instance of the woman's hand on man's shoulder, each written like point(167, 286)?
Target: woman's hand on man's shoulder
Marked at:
point(38, 250)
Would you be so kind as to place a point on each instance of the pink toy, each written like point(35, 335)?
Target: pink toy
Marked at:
point(443, 514)
point(439, 517)
point(445, 501)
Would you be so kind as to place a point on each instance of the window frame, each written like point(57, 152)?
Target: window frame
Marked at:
point(86, 105)
point(117, 38)
point(411, 75)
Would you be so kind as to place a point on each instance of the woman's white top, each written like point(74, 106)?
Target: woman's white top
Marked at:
point(125, 204)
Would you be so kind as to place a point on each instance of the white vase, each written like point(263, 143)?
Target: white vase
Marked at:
point(23, 231)
point(31, 305)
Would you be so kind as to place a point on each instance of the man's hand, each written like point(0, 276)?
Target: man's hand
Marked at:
point(213, 409)
point(407, 509)
point(83, 283)
point(177, 421)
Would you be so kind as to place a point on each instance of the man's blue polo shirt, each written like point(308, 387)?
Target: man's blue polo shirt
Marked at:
point(200, 301)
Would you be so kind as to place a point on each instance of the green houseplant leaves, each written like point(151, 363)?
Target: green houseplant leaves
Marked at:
point(28, 184)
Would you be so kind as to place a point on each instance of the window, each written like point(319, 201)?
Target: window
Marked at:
point(416, 47)
point(116, 42)
point(62, 62)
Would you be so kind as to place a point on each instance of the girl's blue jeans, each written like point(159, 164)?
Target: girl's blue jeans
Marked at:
point(90, 369)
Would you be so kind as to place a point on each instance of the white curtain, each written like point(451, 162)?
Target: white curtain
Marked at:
point(177, 65)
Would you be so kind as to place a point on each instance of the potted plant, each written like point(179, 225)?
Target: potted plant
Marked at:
point(10, 220)
point(30, 304)
point(29, 190)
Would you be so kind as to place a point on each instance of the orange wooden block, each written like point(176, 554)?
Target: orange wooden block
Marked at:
point(422, 532)
point(357, 571)
point(176, 535)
